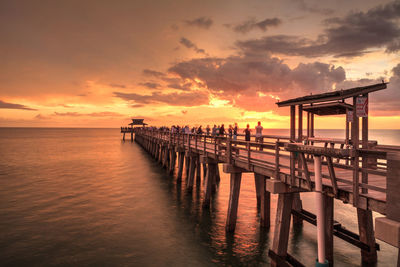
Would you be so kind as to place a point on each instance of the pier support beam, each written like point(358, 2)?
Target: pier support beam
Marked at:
point(297, 206)
point(236, 178)
point(329, 206)
point(257, 181)
point(265, 203)
point(172, 160)
point(209, 184)
point(367, 236)
point(192, 168)
point(181, 158)
point(282, 227)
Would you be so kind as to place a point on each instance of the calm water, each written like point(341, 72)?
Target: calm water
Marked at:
point(83, 197)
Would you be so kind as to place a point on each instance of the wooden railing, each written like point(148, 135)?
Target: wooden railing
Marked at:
point(339, 160)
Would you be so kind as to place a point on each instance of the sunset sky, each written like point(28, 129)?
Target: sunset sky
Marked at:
point(100, 63)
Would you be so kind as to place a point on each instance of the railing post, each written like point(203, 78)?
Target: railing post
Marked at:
point(277, 160)
point(355, 178)
point(229, 151)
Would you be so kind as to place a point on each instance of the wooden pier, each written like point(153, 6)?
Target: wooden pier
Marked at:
point(367, 177)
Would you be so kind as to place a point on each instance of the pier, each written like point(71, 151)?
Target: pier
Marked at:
point(357, 171)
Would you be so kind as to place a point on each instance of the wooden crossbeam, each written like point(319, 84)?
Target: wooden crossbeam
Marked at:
point(306, 172)
point(332, 175)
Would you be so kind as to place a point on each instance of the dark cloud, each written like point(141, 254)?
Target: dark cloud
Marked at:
point(153, 73)
point(115, 85)
point(313, 9)
point(384, 102)
point(352, 35)
point(237, 74)
point(93, 114)
point(189, 44)
point(182, 99)
point(137, 105)
point(252, 24)
point(41, 117)
point(150, 85)
point(6, 105)
point(202, 22)
point(179, 86)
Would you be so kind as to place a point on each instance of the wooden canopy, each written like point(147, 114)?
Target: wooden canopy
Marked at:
point(137, 122)
point(333, 96)
point(334, 108)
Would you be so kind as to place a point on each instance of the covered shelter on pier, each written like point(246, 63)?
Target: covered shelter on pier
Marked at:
point(334, 103)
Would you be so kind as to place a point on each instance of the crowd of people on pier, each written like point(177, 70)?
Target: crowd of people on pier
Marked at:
point(232, 131)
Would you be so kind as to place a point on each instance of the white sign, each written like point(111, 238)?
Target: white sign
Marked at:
point(362, 106)
point(349, 117)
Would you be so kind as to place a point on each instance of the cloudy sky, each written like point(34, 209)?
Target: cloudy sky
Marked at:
point(99, 63)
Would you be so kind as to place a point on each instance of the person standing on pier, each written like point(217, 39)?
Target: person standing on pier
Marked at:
point(199, 130)
point(247, 132)
point(235, 131)
point(208, 129)
point(222, 130)
point(230, 131)
point(214, 130)
point(259, 130)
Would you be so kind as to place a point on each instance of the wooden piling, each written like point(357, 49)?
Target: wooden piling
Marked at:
point(265, 205)
point(282, 226)
point(257, 181)
point(181, 158)
point(209, 184)
point(329, 211)
point(236, 178)
point(192, 169)
point(367, 235)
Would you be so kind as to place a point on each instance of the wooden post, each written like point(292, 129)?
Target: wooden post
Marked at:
point(282, 226)
point(187, 164)
point(265, 204)
point(209, 184)
point(367, 235)
point(192, 169)
point(181, 158)
point(329, 211)
point(217, 175)
point(236, 178)
point(292, 139)
point(355, 140)
point(204, 170)
point(257, 181)
point(198, 170)
point(300, 136)
point(172, 161)
point(123, 138)
point(364, 175)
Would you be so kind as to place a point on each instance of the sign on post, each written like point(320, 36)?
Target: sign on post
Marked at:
point(349, 117)
point(362, 106)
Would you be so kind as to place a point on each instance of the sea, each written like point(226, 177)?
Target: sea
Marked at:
point(84, 197)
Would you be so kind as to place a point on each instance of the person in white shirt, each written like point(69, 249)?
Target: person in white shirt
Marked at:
point(259, 130)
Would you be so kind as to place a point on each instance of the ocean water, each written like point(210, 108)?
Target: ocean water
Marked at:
point(84, 197)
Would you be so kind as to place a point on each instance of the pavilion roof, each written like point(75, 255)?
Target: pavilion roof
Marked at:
point(332, 96)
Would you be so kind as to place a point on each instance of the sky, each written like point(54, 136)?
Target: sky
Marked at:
point(99, 63)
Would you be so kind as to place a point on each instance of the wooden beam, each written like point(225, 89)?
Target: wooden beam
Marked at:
point(181, 158)
point(236, 179)
point(329, 206)
point(265, 205)
point(364, 135)
point(257, 181)
point(306, 171)
point(209, 184)
point(282, 226)
point(332, 175)
point(367, 236)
